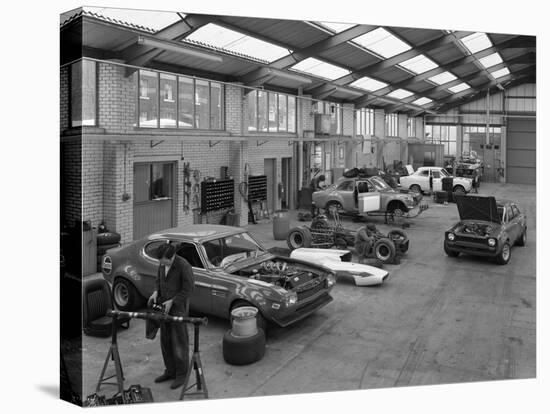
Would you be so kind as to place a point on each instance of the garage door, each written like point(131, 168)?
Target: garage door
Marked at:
point(521, 151)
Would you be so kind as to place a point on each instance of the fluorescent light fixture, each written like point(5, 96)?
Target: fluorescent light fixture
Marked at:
point(336, 27)
point(490, 60)
point(459, 88)
point(422, 101)
point(220, 37)
point(442, 78)
point(399, 94)
point(419, 64)
point(476, 42)
point(178, 48)
point(382, 42)
point(368, 84)
point(500, 73)
point(319, 68)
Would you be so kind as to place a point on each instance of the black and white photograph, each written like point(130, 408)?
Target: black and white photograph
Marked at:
point(268, 207)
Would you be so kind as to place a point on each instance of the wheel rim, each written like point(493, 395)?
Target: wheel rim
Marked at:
point(397, 214)
point(383, 252)
point(296, 240)
point(506, 252)
point(121, 294)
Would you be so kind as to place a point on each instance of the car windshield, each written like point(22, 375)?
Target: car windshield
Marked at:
point(226, 250)
point(380, 184)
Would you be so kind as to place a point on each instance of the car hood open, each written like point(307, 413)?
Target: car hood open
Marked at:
point(477, 208)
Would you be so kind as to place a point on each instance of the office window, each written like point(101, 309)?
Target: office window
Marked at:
point(270, 112)
point(83, 93)
point(202, 106)
point(252, 113)
point(391, 125)
point(186, 102)
point(148, 99)
point(411, 127)
point(262, 111)
point(365, 122)
point(216, 105)
point(282, 111)
point(291, 114)
point(442, 134)
point(167, 101)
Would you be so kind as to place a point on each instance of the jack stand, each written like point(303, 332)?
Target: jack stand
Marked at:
point(115, 357)
point(197, 367)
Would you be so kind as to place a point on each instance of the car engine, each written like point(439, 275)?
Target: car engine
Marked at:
point(477, 229)
point(278, 273)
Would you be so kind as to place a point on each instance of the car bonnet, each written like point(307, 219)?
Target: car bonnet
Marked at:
point(472, 207)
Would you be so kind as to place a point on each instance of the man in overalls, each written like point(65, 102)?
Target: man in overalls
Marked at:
point(174, 285)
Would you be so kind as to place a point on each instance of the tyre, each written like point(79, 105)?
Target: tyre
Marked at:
point(458, 189)
point(450, 253)
point(107, 238)
point(125, 295)
point(243, 351)
point(384, 250)
point(261, 323)
point(505, 254)
point(298, 237)
point(522, 241)
point(415, 188)
point(399, 238)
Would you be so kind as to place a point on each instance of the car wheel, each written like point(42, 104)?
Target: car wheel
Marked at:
point(298, 237)
point(334, 207)
point(399, 238)
point(261, 323)
point(505, 254)
point(523, 238)
point(107, 238)
point(125, 295)
point(243, 351)
point(450, 253)
point(396, 212)
point(458, 189)
point(384, 250)
point(415, 188)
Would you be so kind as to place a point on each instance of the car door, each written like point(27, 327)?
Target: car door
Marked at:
point(422, 178)
point(346, 192)
point(436, 180)
point(368, 197)
point(201, 299)
point(513, 226)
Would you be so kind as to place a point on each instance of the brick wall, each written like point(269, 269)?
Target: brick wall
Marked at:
point(348, 119)
point(117, 99)
point(305, 107)
point(234, 109)
point(63, 98)
point(71, 182)
point(92, 181)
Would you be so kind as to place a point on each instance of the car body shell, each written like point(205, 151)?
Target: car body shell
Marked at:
point(337, 261)
point(421, 177)
point(217, 289)
point(506, 226)
point(345, 192)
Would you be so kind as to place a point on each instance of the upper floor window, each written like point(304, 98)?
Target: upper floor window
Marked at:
point(170, 101)
point(442, 134)
point(411, 127)
point(83, 93)
point(271, 112)
point(392, 125)
point(336, 113)
point(365, 122)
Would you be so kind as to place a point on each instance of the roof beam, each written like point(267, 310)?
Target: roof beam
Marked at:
point(264, 74)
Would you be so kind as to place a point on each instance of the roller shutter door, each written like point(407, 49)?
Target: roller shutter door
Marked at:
point(521, 151)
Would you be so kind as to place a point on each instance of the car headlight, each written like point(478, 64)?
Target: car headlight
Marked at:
point(492, 242)
point(331, 280)
point(451, 236)
point(291, 298)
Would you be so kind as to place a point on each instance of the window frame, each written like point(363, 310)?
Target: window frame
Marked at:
point(291, 127)
point(95, 90)
point(392, 125)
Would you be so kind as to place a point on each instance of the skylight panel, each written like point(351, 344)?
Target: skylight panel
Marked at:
point(227, 39)
point(155, 20)
point(399, 94)
point(422, 101)
point(500, 73)
point(459, 88)
point(382, 42)
point(319, 68)
point(419, 64)
point(336, 27)
point(490, 60)
point(442, 78)
point(476, 42)
point(368, 84)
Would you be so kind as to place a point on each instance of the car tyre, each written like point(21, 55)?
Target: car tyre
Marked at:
point(243, 351)
point(125, 295)
point(298, 237)
point(505, 254)
point(107, 238)
point(523, 238)
point(401, 238)
point(458, 189)
point(415, 188)
point(384, 250)
point(449, 252)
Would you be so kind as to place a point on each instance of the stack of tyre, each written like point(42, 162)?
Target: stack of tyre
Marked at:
point(105, 241)
point(244, 343)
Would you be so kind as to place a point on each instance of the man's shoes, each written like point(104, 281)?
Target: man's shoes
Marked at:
point(165, 377)
point(178, 382)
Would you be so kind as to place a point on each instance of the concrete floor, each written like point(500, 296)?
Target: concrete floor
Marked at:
point(436, 320)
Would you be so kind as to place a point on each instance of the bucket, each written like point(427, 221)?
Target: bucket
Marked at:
point(243, 321)
point(281, 224)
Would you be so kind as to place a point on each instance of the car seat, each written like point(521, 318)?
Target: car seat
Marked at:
point(96, 301)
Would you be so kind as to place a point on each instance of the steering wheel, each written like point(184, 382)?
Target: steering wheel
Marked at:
point(216, 260)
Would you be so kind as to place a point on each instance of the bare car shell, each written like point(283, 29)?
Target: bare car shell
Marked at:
point(284, 290)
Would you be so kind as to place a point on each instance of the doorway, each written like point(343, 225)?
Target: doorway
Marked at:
point(270, 170)
point(285, 180)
